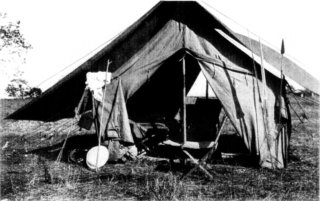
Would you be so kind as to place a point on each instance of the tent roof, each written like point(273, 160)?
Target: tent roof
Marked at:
point(60, 100)
point(290, 68)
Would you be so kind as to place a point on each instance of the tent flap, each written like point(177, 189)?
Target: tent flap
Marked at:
point(240, 98)
point(113, 116)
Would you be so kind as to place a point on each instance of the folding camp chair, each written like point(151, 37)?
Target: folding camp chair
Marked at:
point(208, 146)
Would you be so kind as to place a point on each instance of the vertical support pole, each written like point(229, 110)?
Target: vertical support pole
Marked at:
point(265, 115)
point(207, 89)
point(184, 109)
point(281, 84)
point(264, 92)
point(280, 92)
point(94, 115)
point(101, 118)
point(263, 75)
point(286, 144)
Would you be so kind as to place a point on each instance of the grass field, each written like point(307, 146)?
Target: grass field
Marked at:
point(35, 175)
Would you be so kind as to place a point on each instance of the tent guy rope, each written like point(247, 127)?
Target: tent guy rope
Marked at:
point(256, 35)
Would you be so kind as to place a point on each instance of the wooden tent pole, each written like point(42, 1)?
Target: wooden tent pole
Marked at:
point(264, 103)
point(263, 75)
point(281, 83)
point(207, 89)
point(108, 64)
point(100, 131)
point(184, 109)
point(280, 125)
point(77, 109)
point(258, 90)
point(103, 96)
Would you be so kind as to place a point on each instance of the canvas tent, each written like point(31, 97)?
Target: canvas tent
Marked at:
point(147, 80)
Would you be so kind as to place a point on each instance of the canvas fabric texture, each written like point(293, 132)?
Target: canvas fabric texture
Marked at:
point(232, 81)
point(112, 115)
point(241, 101)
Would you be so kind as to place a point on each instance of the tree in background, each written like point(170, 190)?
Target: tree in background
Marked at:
point(13, 47)
point(19, 88)
point(34, 92)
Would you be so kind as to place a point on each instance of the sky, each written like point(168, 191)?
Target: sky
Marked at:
point(64, 33)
